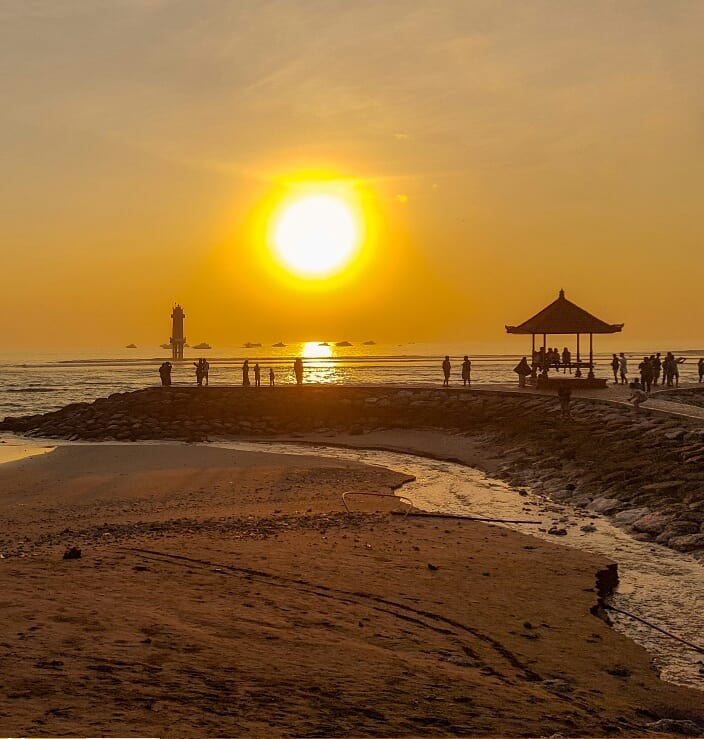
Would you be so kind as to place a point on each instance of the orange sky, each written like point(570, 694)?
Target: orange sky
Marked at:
point(508, 149)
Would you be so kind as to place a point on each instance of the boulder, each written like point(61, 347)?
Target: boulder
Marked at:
point(604, 505)
point(687, 543)
point(652, 523)
point(627, 517)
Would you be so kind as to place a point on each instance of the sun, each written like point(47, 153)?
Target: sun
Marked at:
point(316, 236)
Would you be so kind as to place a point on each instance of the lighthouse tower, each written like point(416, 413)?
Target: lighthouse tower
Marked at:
point(177, 340)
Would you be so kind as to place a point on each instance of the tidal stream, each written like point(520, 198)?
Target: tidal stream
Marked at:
point(656, 584)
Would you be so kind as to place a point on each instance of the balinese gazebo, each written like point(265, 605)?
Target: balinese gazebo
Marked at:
point(564, 317)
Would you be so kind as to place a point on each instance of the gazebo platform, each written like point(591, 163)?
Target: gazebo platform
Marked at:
point(574, 383)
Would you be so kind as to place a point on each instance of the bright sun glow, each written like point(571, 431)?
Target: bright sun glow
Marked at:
point(316, 350)
point(316, 236)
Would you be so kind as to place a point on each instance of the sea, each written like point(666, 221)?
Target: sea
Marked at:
point(43, 381)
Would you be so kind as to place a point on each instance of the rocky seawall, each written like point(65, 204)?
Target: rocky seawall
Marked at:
point(645, 470)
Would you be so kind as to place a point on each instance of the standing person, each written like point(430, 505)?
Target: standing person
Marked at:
point(446, 367)
point(271, 376)
point(700, 369)
point(257, 375)
point(668, 369)
point(623, 368)
point(206, 369)
point(676, 370)
point(615, 366)
point(522, 369)
point(199, 372)
point(466, 371)
point(298, 370)
point(657, 367)
point(646, 374)
point(165, 374)
point(245, 373)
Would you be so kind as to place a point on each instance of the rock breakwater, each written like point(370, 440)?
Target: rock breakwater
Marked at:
point(645, 470)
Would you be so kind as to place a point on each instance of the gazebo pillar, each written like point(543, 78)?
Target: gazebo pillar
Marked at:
point(578, 373)
point(591, 358)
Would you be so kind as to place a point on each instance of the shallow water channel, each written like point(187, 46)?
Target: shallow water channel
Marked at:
point(656, 584)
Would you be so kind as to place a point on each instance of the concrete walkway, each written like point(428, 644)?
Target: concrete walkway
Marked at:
point(618, 395)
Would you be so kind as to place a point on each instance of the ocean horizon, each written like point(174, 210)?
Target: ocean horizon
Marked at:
point(37, 382)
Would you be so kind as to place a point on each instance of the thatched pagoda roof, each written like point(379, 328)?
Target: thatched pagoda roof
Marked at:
point(562, 316)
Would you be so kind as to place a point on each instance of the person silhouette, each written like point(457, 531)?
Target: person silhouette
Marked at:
point(245, 373)
point(206, 369)
point(298, 370)
point(522, 369)
point(271, 377)
point(446, 367)
point(199, 372)
point(165, 374)
point(466, 371)
point(257, 375)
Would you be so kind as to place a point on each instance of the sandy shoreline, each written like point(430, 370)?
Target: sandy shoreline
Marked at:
point(228, 594)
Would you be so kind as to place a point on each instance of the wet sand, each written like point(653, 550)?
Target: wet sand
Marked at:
point(225, 593)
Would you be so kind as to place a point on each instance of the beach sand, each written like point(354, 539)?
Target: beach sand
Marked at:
point(224, 593)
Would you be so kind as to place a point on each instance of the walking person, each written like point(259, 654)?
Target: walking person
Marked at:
point(700, 369)
point(298, 370)
point(564, 395)
point(257, 375)
point(623, 368)
point(271, 377)
point(245, 373)
point(446, 367)
point(466, 371)
point(615, 367)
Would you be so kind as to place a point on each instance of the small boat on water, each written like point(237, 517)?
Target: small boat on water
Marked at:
point(251, 345)
point(165, 346)
point(131, 346)
point(343, 343)
point(369, 343)
point(323, 343)
point(279, 344)
point(202, 345)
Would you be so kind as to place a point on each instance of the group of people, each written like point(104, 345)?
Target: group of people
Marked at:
point(466, 371)
point(651, 369)
point(544, 359)
point(297, 371)
point(257, 375)
point(202, 369)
